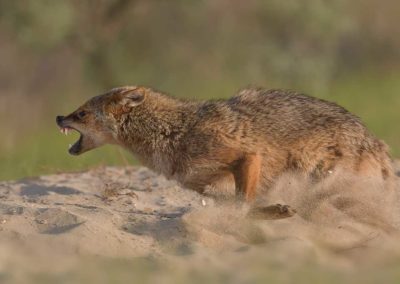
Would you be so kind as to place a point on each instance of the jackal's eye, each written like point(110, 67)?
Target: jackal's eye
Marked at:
point(81, 114)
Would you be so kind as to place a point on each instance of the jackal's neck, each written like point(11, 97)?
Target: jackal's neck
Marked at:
point(155, 130)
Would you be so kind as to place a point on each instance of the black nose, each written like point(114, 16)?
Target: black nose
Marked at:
point(59, 119)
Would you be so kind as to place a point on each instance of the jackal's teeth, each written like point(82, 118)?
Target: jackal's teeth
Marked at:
point(69, 146)
point(64, 130)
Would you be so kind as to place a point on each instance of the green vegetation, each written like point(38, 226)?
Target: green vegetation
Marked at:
point(56, 54)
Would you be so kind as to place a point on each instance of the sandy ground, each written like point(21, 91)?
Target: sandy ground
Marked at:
point(112, 224)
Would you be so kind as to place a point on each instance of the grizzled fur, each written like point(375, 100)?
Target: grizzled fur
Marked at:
point(248, 140)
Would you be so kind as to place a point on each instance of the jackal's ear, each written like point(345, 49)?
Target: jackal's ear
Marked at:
point(133, 98)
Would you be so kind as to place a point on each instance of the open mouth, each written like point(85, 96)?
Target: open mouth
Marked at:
point(73, 149)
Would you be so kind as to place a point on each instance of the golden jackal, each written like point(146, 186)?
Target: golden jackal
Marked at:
point(250, 139)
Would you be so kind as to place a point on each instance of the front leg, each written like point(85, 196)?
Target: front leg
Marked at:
point(246, 172)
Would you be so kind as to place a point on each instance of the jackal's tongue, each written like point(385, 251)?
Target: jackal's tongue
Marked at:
point(75, 149)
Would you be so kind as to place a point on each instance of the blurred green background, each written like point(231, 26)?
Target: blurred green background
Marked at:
point(56, 54)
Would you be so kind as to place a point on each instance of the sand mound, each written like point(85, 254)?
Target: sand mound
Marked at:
point(53, 224)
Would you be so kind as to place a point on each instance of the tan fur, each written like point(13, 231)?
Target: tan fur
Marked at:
point(250, 139)
point(247, 176)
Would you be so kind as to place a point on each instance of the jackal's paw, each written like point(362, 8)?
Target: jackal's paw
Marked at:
point(272, 212)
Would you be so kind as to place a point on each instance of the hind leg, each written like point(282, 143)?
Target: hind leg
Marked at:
point(272, 212)
point(247, 176)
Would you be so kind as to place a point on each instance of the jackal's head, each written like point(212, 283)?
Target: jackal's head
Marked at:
point(97, 120)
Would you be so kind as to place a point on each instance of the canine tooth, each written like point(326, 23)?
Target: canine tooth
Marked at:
point(69, 146)
point(66, 131)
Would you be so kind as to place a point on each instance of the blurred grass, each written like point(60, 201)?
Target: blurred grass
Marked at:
point(55, 55)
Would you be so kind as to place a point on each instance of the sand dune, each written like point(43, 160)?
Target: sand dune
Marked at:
point(69, 225)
